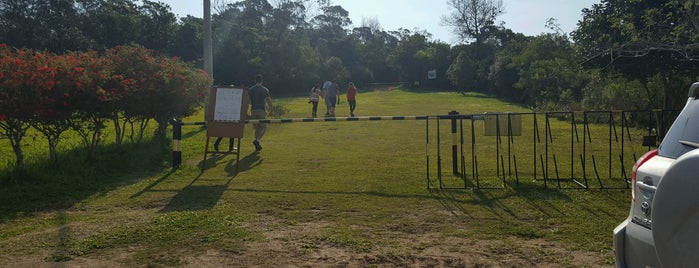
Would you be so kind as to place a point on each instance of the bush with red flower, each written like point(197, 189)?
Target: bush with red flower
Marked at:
point(83, 91)
point(17, 97)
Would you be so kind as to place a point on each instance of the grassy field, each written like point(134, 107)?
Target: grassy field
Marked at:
point(346, 194)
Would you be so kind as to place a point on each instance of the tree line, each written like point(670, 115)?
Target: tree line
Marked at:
point(623, 55)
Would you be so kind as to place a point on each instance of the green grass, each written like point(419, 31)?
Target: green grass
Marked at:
point(357, 187)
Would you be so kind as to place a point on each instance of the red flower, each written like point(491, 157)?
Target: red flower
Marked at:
point(2, 116)
point(49, 84)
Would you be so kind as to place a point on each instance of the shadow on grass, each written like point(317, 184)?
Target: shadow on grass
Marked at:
point(203, 197)
point(193, 132)
point(503, 202)
point(248, 162)
point(46, 186)
point(196, 197)
point(193, 198)
point(156, 182)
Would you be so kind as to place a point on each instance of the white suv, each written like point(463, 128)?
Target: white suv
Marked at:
point(662, 229)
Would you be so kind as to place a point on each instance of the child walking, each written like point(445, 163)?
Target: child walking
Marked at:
point(314, 98)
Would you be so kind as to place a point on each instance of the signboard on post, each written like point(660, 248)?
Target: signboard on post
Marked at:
point(432, 74)
point(225, 118)
point(227, 112)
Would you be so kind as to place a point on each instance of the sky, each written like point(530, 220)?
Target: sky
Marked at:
point(521, 16)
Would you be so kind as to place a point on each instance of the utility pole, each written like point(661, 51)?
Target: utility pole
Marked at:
point(208, 49)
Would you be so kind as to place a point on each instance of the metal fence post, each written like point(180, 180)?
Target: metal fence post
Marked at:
point(176, 142)
point(454, 141)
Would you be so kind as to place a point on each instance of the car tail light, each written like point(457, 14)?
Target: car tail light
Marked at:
point(647, 156)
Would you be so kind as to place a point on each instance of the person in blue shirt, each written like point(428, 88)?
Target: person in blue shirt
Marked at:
point(331, 91)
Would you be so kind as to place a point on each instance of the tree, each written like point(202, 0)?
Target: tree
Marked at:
point(503, 74)
point(158, 26)
point(57, 79)
point(643, 41)
point(471, 19)
point(53, 25)
point(404, 60)
point(335, 70)
point(162, 88)
point(330, 37)
point(548, 72)
point(374, 47)
point(111, 23)
point(17, 96)
point(188, 40)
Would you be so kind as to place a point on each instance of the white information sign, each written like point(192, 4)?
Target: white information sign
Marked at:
point(228, 102)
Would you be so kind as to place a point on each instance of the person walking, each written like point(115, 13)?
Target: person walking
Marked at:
point(231, 141)
point(314, 99)
point(352, 97)
point(261, 106)
point(331, 92)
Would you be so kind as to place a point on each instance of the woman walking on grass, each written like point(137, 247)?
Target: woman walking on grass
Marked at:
point(352, 97)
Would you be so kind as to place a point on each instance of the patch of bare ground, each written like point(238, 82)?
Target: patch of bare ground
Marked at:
point(285, 244)
point(297, 245)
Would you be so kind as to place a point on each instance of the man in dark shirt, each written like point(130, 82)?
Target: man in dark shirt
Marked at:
point(261, 106)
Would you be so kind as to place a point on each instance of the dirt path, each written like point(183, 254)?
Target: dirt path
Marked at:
point(302, 245)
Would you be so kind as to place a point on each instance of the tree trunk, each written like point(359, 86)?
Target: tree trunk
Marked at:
point(118, 129)
point(161, 132)
point(15, 131)
point(19, 155)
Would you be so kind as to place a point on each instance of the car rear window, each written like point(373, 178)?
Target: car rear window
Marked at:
point(683, 133)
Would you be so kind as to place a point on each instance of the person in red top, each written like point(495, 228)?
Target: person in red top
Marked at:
point(352, 97)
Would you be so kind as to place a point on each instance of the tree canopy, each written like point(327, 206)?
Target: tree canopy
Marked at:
point(649, 47)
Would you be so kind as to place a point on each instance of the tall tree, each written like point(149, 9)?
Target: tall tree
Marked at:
point(158, 26)
point(503, 73)
point(112, 22)
point(188, 40)
point(53, 25)
point(404, 59)
point(375, 45)
point(471, 19)
point(548, 72)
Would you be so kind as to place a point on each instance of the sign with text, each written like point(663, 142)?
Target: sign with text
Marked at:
point(227, 112)
point(228, 104)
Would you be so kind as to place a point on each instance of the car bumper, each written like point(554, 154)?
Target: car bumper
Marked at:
point(633, 246)
point(619, 234)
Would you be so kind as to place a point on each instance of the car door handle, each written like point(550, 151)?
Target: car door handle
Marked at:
point(645, 187)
